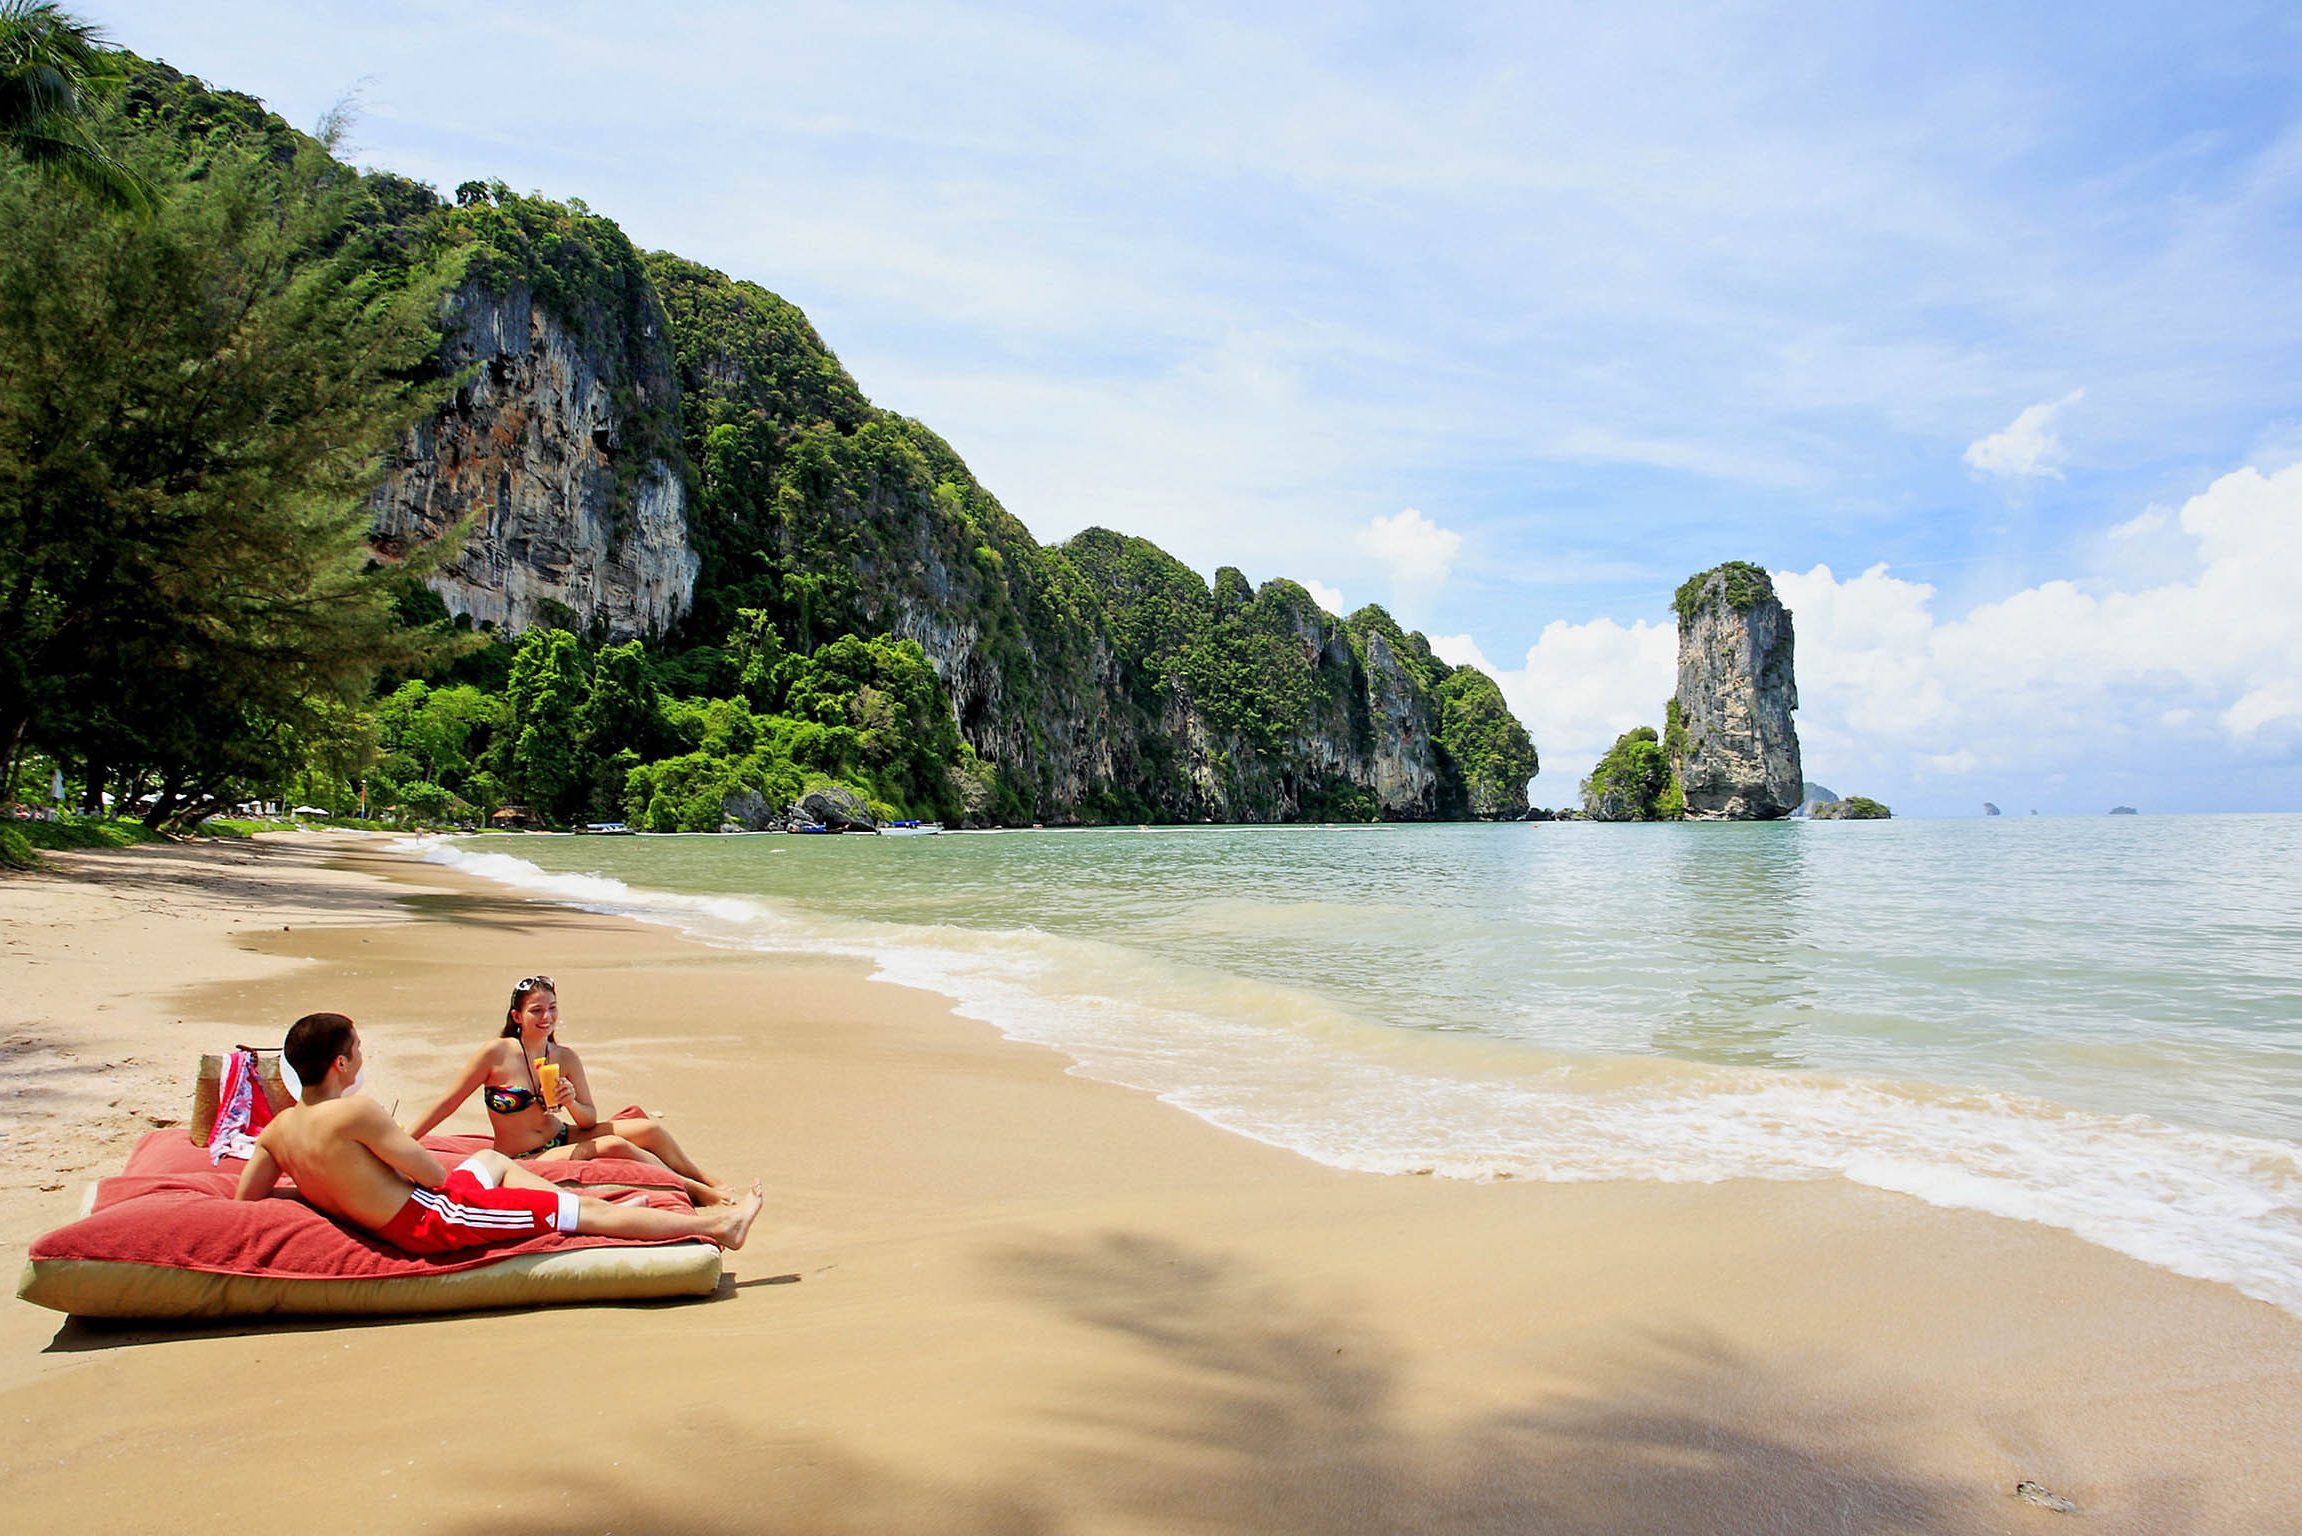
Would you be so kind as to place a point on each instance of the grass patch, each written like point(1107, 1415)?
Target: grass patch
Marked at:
point(15, 852)
point(240, 826)
point(85, 832)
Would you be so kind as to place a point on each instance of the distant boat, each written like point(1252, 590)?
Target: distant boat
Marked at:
point(911, 829)
point(607, 828)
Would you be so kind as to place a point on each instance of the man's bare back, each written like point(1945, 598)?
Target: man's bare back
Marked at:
point(336, 1152)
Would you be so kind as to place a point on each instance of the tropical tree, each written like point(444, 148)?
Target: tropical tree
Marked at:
point(1489, 747)
point(543, 759)
point(193, 413)
point(55, 72)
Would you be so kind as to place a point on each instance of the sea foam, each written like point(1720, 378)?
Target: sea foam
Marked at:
point(1287, 1067)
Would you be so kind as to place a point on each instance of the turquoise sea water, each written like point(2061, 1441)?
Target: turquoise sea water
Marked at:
point(2095, 1024)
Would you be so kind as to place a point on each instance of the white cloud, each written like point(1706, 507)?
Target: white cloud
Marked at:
point(1326, 597)
point(1416, 551)
point(1462, 651)
point(2028, 446)
point(2055, 676)
point(2142, 525)
point(1581, 687)
point(2273, 705)
point(2052, 685)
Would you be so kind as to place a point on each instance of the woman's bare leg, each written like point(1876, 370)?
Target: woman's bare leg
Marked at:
point(701, 1191)
point(651, 1136)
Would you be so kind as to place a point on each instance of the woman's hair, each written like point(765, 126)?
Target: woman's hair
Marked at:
point(528, 985)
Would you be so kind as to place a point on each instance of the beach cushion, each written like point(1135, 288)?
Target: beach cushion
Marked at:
point(165, 1239)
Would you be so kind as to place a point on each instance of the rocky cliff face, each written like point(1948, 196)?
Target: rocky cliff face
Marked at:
point(1103, 679)
point(1401, 770)
point(1735, 749)
point(1852, 808)
point(1129, 737)
point(1106, 680)
point(1366, 741)
point(554, 460)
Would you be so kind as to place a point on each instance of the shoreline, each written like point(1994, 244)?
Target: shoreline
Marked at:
point(1032, 1299)
point(1272, 1053)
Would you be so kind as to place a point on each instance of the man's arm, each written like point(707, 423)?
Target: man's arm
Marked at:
point(381, 1134)
point(257, 1179)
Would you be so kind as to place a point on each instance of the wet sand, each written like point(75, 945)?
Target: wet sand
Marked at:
point(991, 1297)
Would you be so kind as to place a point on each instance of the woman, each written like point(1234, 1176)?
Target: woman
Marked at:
point(520, 1099)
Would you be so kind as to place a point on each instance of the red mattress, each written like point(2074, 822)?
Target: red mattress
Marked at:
point(170, 1214)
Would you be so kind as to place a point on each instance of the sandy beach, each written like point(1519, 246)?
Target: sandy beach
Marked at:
point(988, 1296)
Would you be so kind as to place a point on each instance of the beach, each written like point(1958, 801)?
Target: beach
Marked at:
point(991, 1295)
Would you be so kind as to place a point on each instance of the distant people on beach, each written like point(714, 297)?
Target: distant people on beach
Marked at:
point(526, 1074)
point(349, 1158)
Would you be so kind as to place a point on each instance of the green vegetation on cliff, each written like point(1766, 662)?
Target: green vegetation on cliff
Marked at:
point(1486, 743)
point(581, 269)
point(867, 614)
point(1745, 587)
point(1633, 781)
point(1226, 700)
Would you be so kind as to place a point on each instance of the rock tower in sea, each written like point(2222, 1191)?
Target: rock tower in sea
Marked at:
point(1732, 746)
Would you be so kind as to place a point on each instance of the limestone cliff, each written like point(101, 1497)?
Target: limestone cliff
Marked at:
point(1346, 726)
point(1734, 749)
point(637, 445)
point(1106, 680)
point(571, 502)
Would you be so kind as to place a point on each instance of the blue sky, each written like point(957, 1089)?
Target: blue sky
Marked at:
point(1982, 327)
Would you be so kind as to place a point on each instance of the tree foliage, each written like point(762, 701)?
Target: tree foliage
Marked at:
point(56, 75)
point(1742, 585)
point(1487, 744)
point(1632, 782)
point(192, 412)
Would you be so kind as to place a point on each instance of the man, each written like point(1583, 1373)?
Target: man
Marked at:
point(352, 1160)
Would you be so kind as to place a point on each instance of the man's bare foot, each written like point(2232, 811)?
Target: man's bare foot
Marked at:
point(735, 1225)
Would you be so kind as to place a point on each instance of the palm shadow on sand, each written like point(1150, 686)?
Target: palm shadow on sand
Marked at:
point(1233, 1406)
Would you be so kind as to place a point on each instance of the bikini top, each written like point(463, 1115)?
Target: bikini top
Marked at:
point(508, 1101)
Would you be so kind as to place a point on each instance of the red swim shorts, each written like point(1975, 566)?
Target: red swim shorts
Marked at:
point(469, 1211)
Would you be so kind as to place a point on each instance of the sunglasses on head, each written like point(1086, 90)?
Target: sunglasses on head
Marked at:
point(531, 983)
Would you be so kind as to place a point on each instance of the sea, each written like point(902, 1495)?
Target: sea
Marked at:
point(2095, 1024)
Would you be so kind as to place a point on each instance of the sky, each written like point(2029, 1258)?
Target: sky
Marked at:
point(1979, 327)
